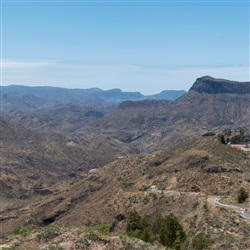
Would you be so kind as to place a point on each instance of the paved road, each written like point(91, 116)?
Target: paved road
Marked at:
point(241, 211)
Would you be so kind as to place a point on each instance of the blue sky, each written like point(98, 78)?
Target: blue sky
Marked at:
point(145, 46)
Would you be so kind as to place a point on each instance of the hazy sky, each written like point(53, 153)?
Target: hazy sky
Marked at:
point(145, 46)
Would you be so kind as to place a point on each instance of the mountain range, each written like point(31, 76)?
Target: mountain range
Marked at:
point(16, 97)
point(207, 106)
point(149, 125)
point(71, 159)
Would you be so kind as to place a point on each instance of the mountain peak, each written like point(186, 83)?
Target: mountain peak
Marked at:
point(210, 85)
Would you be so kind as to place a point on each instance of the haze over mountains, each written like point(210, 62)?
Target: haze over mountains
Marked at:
point(51, 138)
point(148, 125)
point(32, 98)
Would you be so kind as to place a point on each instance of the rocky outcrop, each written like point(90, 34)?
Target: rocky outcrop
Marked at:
point(210, 85)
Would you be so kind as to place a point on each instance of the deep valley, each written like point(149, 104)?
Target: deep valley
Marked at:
point(78, 166)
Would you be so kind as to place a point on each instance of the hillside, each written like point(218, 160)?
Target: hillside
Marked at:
point(35, 164)
point(187, 178)
point(63, 118)
point(152, 125)
point(47, 154)
point(148, 125)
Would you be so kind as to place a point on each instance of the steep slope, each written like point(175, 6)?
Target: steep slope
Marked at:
point(184, 176)
point(211, 104)
point(149, 125)
point(133, 120)
point(215, 103)
point(31, 163)
point(25, 103)
point(210, 85)
point(35, 164)
point(64, 118)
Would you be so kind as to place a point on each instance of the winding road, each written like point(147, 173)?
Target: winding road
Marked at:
point(241, 211)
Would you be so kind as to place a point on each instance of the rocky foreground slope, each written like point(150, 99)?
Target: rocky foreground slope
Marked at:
point(179, 180)
point(46, 183)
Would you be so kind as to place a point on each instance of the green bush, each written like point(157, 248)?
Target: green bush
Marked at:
point(135, 234)
point(51, 247)
point(140, 157)
point(168, 231)
point(194, 188)
point(49, 233)
point(205, 206)
point(221, 138)
point(209, 134)
point(242, 195)
point(171, 233)
point(145, 235)
point(144, 188)
point(146, 200)
point(21, 230)
point(193, 221)
point(103, 228)
point(195, 204)
point(134, 221)
point(199, 242)
point(156, 225)
point(154, 196)
point(138, 227)
point(94, 235)
point(127, 184)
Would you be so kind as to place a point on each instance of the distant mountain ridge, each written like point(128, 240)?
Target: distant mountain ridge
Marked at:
point(148, 125)
point(13, 96)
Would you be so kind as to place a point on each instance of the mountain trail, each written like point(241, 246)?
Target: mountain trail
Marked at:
point(243, 212)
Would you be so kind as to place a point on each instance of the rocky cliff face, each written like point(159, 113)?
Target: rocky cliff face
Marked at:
point(212, 85)
point(210, 104)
